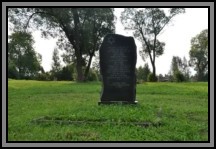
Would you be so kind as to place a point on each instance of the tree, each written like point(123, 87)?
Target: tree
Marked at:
point(147, 25)
point(185, 69)
point(66, 73)
point(143, 72)
point(175, 68)
point(80, 30)
point(96, 66)
point(146, 72)
point(140, 73)
point(93, 76)
point(152, 78)
point(12, 70)
point(56, 65)
point(199, 54)
point(179, 69)
point(160, 78)
point(23, 61)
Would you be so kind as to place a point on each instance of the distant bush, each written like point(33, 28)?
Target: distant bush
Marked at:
point(139, 81)
point(12, 72)
point(92, 76)
point(43, 77)
point(152, 78)
point(178, 77)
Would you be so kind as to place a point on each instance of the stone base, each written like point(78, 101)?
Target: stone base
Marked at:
point(117, 102)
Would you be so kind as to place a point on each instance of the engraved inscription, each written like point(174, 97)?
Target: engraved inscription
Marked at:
point(118, 69)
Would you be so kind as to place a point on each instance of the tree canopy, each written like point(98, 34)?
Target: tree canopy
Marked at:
point(56, 64)
point(23, 61)
point(147, 24)
point(80, 30)
point(199, 54)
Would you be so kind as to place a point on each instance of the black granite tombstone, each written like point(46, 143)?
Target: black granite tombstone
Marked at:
point(117, 66)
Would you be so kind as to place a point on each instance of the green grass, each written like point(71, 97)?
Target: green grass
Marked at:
point(68, 111)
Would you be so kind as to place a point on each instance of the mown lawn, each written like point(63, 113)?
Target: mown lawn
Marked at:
point(69, 111)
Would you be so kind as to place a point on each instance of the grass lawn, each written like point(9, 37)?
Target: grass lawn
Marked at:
point(69, 111)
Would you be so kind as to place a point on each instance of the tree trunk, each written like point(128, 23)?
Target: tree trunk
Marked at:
point(80, 77)
point(199, 71)
point(153, 69)
point(78, 46)
point(88, 67)
point(79, 64)
point(200, 75)
point(154, 72)
point(153, 62)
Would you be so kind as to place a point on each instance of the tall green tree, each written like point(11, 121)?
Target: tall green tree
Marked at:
point(146, 72)
point(140, 73)
point(56, 65)
point(185, 69)
point(143, 72)
point(67, 72)
point(147, 25)
point(176, 64)
point(176, 67)
point(180, 69)
point(80, 30)
point(23, 61)
point(199, 54)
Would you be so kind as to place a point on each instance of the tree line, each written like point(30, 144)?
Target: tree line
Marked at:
point(80, 32)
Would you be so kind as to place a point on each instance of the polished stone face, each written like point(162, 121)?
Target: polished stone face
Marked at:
point(117, 65)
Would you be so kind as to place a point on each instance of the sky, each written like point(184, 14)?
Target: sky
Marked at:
point(176, 35)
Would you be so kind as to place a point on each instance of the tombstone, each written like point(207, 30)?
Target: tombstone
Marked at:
point(117, 67)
